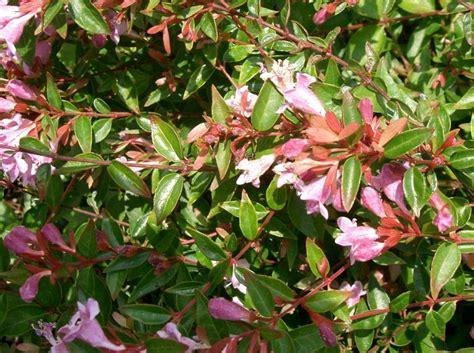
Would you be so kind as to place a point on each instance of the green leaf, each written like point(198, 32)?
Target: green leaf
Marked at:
point(466, 102)
point(436, 324)
point(208, 26)
point(417, 6)
point(364, 339)
point(167, 194)
point(324, 301)
point(210, 249)
point(126, 89)
point(276, 197)
point(223, 157)
point(101, 106)
point(151, 282)
point(212, 327)
point(30, 144)
point(318, 263)
point(463, 159)
point(146, 313)
point(127, 179)
point(351, 177)
point(309, 225)
point(166, 139)
point(87, 241)
point(71, 167)
point(125, 263)
point(115, 281)
point(416, 190)
point(233, 207)
point(88, 17)
point(52, 92)
point(198, 78)
point(101, 129)
point(248, 217)
point(445, 262)
point(219, 109)
point(83, 132)
point(400, 302)
point(161, 345)
point(406, 142)
point(374, 8)
point(264, 114)
point(260, 295)
point(277, 287)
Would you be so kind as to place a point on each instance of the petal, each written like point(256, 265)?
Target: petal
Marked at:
point(223, 309)
point(371, 200)
point(29, 289)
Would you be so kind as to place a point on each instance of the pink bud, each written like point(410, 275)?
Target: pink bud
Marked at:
point(29, 289)
point(99, 40)
point(17, 240)
point(371, 200)
point(327, 334)
point(321, 16)
point(224, 309)
point(293, 147)
point(19, 89)
point(6, 105)
point(366, 110)
point(43, 51)
point(52, 235)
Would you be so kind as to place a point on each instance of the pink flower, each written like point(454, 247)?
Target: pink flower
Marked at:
point(20, 89)
point(99, 40)
point(52, 235)
point(361, 239)
point(444, 218)
point(224, 309)
point(18, 164)
point(356, 290)
point(371, 200)
point(43, 51)
point(390, 181)
point(6, 105)
point(29, 289)
point(12, 25)
point(118, 25)
point(286, 174)
point(85, 327)
point(170, 331)
point(293, 147)
point(302, 97)
point(315, 196)
point(19, 239)
point(253, 170)
point(242, 101)
point(281, 74)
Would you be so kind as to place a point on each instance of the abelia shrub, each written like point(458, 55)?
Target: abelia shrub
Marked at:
point(236, 176)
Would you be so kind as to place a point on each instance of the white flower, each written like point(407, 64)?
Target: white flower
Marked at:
point(286, 174)
point(281, 74)
point(242, 101)
point(253, 170)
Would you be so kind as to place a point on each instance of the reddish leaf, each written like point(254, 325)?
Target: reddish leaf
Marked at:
point(393, 130)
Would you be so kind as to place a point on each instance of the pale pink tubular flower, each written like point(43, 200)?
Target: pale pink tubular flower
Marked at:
point(170, 331)
point(45, 329)
point(21, 90)
point(327, 334)
point(19, 239)
point(254, 169)
point(361, 239)
point(12, 29)
point(223, 309)
point(242, 101)
point(118, 26)
point(366, 110)
point(390, 181)
point(444, 218)
point(29, 289)
point(286, 174)
point(370, 199)
point(6, 105)
point(302, 97)
point(53, 236)
point(315, 195)
point(357, 290)
point(84, 326)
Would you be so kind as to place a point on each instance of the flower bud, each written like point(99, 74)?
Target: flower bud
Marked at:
point(29, 289)
point(224, 309)
point(327, 334)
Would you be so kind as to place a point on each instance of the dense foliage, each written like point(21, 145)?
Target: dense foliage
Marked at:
point(236, 175)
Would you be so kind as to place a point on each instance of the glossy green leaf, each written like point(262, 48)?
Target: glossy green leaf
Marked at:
point(260, 295)
point(445, 262)
point(162, 345)
point(415, 189)
point(83, 132)
point(208, 247)
point(276, 197)
point(265, 114)
point(219, 109)
point(52, 92)
point(277, 287)
point(197, 79)
point(167, 194)
point(324, 301)
point(166, 139)
point(146, 313)
point(417, 6)
point(436, 324)
point(30, 144)
point(406, 141)
point(351, 177)
point(88, 17)
point(126, 89)
point(317, 261)
point(127, 179)
point(248, 217)
point(86, 161)
point(101, 129)
point(208, 26)
point(463, 159)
